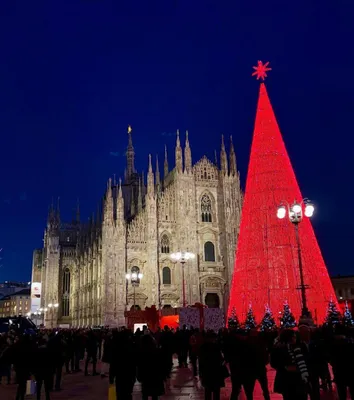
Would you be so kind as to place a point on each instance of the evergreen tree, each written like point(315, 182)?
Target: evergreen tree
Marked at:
point(233, 321)
point(333, 315)
point(250, 322)
point(288, 319)
point(268, 322)
point(347, 318)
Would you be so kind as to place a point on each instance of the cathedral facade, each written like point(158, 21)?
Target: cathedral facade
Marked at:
point(83, 267)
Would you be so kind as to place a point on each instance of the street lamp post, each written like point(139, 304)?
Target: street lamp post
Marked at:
point(295, 212)
point(134, 278)
point(183, 257)
point(52, 308)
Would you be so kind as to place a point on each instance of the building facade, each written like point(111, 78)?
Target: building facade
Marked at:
point(193, 207)
point(17, 303)
point(344, 287)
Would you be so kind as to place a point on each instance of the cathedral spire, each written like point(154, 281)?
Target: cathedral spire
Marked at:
point(223, 157)
point(187, 156)
point(165, 164)
point(150, 180)
point(132, 203)
point(57, 214)
point(120, 203)
point(233, 166)
point(130, 156)
point(108, 203)
point(178, 154)
point(157, 172)
point(215, 158)
point(51, 215)
point(140, 198)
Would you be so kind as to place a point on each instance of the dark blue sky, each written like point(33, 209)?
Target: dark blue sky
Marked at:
point(74, 74)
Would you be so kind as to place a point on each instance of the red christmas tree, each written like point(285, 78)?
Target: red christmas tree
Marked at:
point(266, 266)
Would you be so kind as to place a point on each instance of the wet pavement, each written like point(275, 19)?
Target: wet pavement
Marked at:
point(181, 386)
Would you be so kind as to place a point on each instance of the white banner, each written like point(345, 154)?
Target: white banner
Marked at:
point(36, 292)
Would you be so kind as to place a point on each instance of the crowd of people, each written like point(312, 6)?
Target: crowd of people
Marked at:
point(300, 357)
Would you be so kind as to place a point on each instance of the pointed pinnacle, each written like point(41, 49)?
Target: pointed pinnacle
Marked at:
point(178, 141)
point(187, 140)
point(231, 145)
point(150, 164)
point(222, 142)
point(120, 195)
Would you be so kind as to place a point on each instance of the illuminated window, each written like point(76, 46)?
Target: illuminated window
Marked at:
point(165, 244)
point(66, 293)
point(166, 276)
point(205, 208)
point(209, 251)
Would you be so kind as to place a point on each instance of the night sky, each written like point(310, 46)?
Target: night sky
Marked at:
point(74, 74)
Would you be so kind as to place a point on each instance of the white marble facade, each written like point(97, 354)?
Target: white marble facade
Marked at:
point(194, 208)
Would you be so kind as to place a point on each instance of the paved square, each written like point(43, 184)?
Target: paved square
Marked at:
point(181, 386)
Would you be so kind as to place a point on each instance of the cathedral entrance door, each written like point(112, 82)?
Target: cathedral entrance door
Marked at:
point(212, 300)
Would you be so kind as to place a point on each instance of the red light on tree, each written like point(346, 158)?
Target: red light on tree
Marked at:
point(266, 267)
point(261, 70)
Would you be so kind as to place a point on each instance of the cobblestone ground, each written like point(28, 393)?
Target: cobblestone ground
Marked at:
point(181, 386)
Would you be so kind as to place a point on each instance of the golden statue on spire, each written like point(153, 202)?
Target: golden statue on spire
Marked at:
point(129, 129)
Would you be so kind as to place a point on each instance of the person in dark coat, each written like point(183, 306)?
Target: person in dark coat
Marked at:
point(106, 354)
point(123, 364)
point(5, 362)
point(91, 349)
point(212, 368)
point(167, 345)
point(57, 349)
point(43, 368)
point(291, 379)
point(152, 370)
point(22, 357)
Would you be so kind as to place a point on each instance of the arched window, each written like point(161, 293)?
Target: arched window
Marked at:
point(165, 244)
point(209, 251)
point(205, 208)
point(66, 293)
point(166, 276)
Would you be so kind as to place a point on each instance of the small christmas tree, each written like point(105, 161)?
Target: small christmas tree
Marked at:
point(333, 316)
point(233, 321)
point(250, 322)
point(268, 322)
point(288, 319)
point(347, 318)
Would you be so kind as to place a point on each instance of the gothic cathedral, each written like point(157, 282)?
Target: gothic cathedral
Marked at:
point(83, 267)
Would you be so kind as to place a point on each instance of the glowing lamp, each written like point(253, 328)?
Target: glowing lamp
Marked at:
point(309, 210)
point(50, 305)
point(134, 275)
point(56, 305)
point(127, 276)
point(296, 208)
point(281, 213)
point(140, 276)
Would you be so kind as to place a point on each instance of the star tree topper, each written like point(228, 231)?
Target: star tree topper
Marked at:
point(261, 70)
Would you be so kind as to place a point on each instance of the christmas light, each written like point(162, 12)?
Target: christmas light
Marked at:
point(347, 317)
point(250, 322)
point(287, 320)
point(233, 322)
point(333, 316)
point(268, 322)
point(266, 267)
